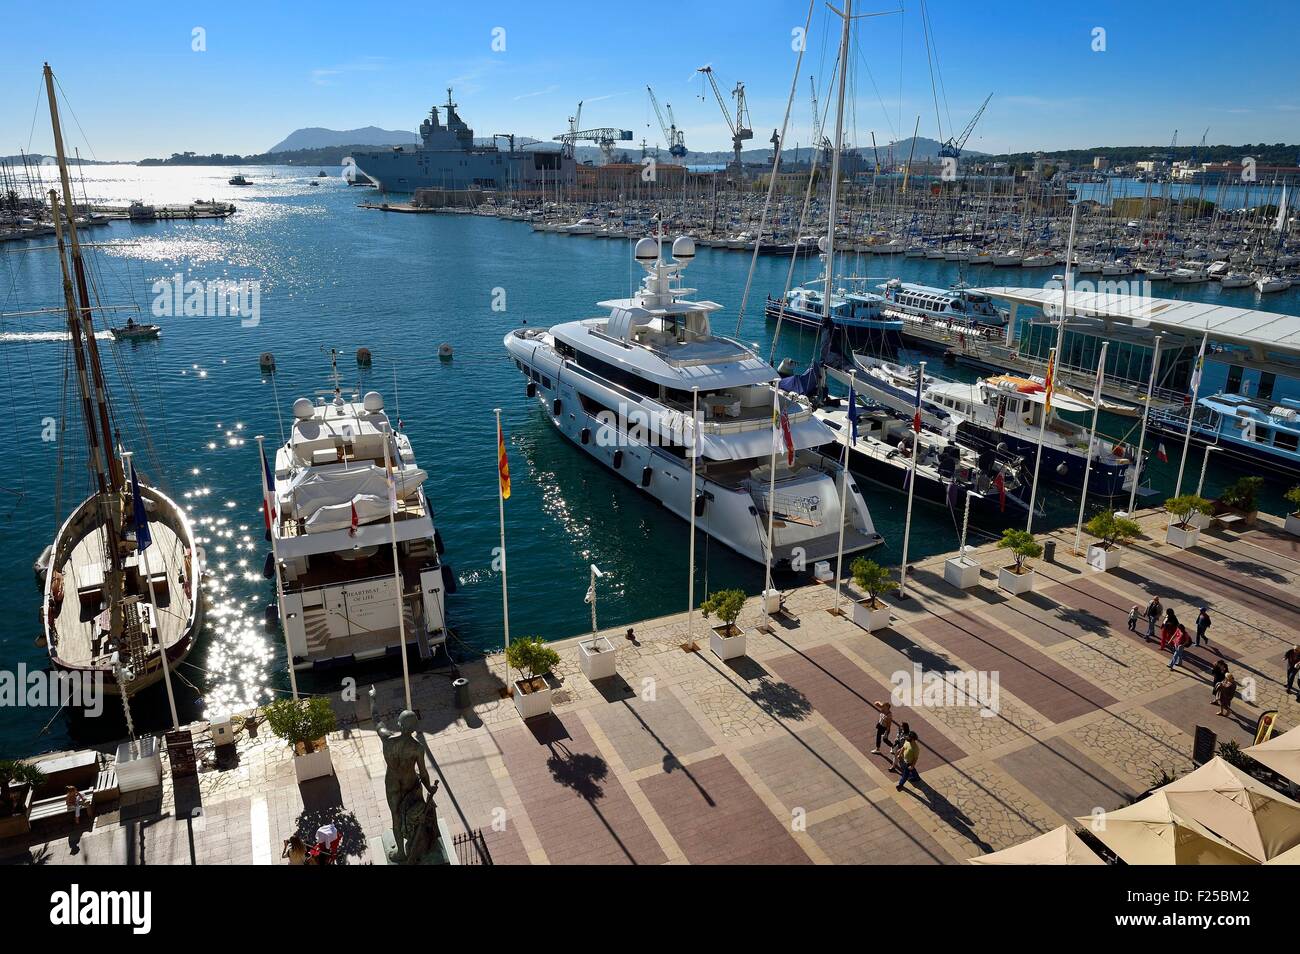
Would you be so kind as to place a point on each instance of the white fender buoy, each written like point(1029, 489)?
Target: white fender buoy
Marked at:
point(444, 351)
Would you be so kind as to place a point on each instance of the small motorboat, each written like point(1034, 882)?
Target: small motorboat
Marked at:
point(237, 180)
point(135, 330)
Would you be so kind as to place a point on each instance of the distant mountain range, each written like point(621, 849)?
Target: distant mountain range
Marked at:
point(316, 137)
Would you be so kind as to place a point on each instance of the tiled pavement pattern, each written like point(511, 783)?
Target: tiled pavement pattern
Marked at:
point(768, 759)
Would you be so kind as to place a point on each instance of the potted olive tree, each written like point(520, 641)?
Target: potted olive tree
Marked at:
point(1018, 578)
point(1183, 534)
point(304, 724)
point(534, 659)
point(726, 640)
point(1293, 518)
point(1241, 497)
point(871, 612)
point(1112, 533)
point(18, 781)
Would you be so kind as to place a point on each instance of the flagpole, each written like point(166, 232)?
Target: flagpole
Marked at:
point(1191, 410)
point(1142, 433)
point(1042, 428)
point(911, 482)
point(501, 510)
point(690, 584)
point(771, 496)
point(844, 481)
point(397, 569)
point(153, 599)
point(275, 559)
point(1092, 436)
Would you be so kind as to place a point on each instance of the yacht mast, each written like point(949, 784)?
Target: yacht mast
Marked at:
point(113, 465)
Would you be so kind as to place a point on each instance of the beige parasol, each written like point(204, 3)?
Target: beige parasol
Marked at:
point(1154, 832)
point(1241, 810)
point(1280, 753)
point(1060, 846)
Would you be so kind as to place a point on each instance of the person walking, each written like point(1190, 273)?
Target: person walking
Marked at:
point(1168, 628)
point(1154, 609)
point(1292, 658)
point(907, 763)
point(1227, 690)
point(1202, 625)
point(896, 751)
point(884, 723)
point(1133, 618)
point(1182, 639)
point(1216, 678)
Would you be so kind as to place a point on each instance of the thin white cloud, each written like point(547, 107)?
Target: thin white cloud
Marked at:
point(541, 92)
point(370, 64)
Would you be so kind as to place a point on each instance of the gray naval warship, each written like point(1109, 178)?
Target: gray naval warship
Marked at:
point(447, 158)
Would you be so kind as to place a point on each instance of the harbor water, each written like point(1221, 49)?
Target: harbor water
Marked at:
point(333, 275)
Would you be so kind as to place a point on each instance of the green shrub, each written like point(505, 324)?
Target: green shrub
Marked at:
point(531, 656)
point(301, 722)
point(1242, 494)
point(726, 605)
point(1293, 497)
point(1022, 545)
point(1186, 506)
point(872, 578)
point(1111, 530)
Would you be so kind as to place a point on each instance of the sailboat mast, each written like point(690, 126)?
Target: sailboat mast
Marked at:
point(74, 328)
point(114, 466)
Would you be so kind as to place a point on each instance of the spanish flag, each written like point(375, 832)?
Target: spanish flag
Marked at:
point(503, 465)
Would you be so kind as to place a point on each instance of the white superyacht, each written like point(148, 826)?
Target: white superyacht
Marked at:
point(620, 387)
point(334, 542)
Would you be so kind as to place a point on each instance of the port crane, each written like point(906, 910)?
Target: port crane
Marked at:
point(605, 136)
point(675, 137)
point(740, 129)
point(953, 147)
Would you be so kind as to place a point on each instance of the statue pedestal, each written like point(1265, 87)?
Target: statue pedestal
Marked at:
point(443, 855)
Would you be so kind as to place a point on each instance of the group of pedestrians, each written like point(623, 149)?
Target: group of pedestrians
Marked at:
point(1173, 635)
point(905, 750)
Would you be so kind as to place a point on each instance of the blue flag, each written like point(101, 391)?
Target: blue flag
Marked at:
point(142, 536)
point(853, 413)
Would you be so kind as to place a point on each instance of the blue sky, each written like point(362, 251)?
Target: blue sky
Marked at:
point(138, 88)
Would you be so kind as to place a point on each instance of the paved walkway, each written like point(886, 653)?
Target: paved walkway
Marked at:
point(768, 759)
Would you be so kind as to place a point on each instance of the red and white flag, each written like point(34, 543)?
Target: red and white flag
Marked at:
point(1162, 453)
point(352, 531)
point(788, 438)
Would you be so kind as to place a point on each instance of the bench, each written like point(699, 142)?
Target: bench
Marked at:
point(1228, 519)
point(49, 812)
point(106, 788)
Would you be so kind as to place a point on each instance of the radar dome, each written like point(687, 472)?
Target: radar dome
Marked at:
point(683, 248)
point(302, 408)
point(821, 244)
point(647, 250)
point(373, 401)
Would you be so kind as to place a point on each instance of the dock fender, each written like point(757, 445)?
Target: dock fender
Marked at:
point(646, 474)
point(268, 568)
point(448, 579)
point(585, 436)
point(531, 389)
point(701, 499)
point(556, 407)
point(618, 459)
point(437, 543)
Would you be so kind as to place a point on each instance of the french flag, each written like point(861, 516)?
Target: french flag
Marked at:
point(268, 495)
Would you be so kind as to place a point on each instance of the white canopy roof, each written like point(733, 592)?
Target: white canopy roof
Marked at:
point(1258, 330)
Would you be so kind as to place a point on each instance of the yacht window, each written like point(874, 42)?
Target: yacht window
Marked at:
point(1284, 440)
point(546, 382)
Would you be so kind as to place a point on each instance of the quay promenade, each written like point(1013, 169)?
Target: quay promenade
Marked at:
point(767, 759)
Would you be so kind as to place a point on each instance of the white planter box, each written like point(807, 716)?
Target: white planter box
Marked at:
point(597, 665)
point(530, 705)
point(1293, 524)
point(1015, 583)
point(868, 618)
point(316, 764)
point(1183, 539)
point(139, 765)
point(961, 572)
point(772, 601)
point(1200, 521)
point(727, 647)
point(1099, 558)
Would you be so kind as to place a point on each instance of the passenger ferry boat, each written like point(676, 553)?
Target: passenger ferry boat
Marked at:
point(858, 316)
point(956, 304)
point(947, 472)
point(1262, 434)
point(620, 388)
point(334, 486)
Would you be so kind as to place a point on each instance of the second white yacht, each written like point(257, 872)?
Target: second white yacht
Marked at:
point(620, 387)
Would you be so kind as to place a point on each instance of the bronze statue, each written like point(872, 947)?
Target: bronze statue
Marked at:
point(415, 820)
